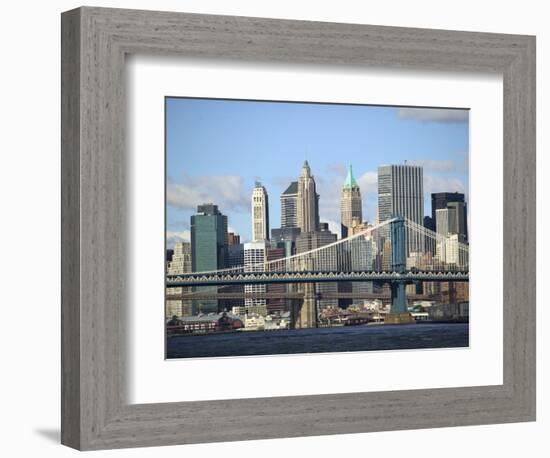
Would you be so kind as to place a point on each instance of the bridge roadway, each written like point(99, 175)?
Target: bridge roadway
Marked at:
point(285, 295)
point(249, 278)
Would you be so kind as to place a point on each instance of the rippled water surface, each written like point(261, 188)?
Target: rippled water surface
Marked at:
point(349, 338)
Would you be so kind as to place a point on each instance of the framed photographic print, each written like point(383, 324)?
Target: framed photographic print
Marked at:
point(301, 252)
point(349, 207)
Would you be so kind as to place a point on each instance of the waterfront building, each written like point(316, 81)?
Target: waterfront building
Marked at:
point(238, 310)
point(289, 209)
point(400, 192)
point(254, 322)
point(204, 324)
point(260, 213)
point(208, 241)
point(254, 260)
point(276, 323)
point(180, 263)
point(351, 211)
point(307, 201)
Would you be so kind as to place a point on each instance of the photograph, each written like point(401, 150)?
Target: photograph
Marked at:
point(300, 227)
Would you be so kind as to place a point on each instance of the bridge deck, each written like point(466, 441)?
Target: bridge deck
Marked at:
point(220, 279)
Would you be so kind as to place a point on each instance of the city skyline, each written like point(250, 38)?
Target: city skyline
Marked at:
point(208, 179)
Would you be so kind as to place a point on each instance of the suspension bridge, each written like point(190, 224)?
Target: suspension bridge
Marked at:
point(396, 252)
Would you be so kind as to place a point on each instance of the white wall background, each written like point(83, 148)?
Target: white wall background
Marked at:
point(29, 229)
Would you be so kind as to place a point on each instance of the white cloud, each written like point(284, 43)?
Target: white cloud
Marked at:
point(172, 237)
point(445, 166)
point(434, 114)
point(225, 191)
point(437, 183)
point(368, 182)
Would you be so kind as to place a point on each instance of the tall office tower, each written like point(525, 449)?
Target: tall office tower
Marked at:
point(289, 202)
point(328, 262)
point(260, 214)
point(208, 237)
point(307, 201)
point(445, 221)
point(285, 238)
point(276, 304)
point(254, 259)
point(179, 264)
point(351, 212)
point(454, 200)
point(208, 240)
point(234, 258)
point(400, 192)
point(360, 256)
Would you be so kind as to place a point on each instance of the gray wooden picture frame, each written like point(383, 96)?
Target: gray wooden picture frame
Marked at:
point(95, 411)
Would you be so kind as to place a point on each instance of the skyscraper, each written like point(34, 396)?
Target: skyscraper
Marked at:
point(208, 240)
point(351, 212)
point(234, 258)
point(455, 201)
point(276, 305)
point(400, 192)
point(254, 259)
point(179, 264)
point(307, 201)
point(289, 204)
point(310, 241)
point(445, 219)
point(260, 214)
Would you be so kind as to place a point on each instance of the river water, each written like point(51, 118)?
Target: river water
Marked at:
point(322, 340)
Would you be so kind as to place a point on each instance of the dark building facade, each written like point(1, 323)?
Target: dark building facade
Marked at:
point(288, 206)
point(456, 202)
point(429, 223)
point(277, 305)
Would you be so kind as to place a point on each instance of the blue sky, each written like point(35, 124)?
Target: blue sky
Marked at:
point(217, 149)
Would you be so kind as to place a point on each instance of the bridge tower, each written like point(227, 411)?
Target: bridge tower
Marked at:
point(307, 317)
point(398, 312)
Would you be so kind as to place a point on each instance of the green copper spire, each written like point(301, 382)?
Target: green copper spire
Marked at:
point(350, 180)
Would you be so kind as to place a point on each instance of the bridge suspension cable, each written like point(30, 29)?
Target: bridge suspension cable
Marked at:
point(371, 250)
